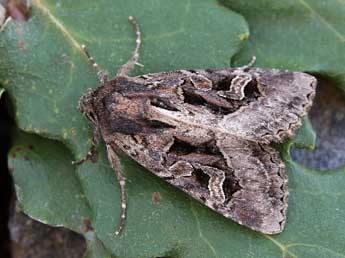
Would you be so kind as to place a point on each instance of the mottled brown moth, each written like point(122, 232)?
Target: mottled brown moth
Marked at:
point(207, 132)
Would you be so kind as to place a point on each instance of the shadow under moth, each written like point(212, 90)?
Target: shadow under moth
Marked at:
point(207, 132)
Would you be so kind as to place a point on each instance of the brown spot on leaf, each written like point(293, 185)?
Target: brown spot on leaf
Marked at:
point(221, 4)
point(26, 158)
point(31, 147)
point(156, 197)
point(87, 225)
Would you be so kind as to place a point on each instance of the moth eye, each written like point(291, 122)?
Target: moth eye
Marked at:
point(85, 105)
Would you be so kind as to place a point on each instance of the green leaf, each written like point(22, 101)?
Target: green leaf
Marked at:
point(95, 248)
point(303, 35)
point(315, 216)
point(305, 137)
point(47, 186)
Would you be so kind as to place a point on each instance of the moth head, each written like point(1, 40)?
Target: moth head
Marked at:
point(85, 106)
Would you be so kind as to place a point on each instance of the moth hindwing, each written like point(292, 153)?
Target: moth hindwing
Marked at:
point(207, 132)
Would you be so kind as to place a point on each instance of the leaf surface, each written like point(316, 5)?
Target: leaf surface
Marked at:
point(46, 72)
point(301, 35)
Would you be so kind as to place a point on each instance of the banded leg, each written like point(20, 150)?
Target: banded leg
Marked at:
point(128, 67)
point(116, 165)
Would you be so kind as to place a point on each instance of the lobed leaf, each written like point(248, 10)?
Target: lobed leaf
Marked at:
point(45, 72)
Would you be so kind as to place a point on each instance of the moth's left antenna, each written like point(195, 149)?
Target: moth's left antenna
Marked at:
point(102, 75)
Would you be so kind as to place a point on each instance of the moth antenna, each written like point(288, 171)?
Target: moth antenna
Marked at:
point(128, 67)
point(116, 165)
point(250, 64)
point(102, 75)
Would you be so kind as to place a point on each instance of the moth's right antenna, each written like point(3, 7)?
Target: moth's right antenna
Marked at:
point(127, 67)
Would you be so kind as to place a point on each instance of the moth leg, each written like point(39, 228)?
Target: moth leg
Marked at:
point(128, 67)
point(102, 75)
point(92, 154)
point(116, 165)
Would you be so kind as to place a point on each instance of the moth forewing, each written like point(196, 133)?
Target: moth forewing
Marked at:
point(207, 132)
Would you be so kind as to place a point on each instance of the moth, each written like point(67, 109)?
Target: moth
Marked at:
point(206, 132)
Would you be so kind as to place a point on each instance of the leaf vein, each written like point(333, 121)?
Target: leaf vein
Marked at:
point(57, 23)
point(201, 235)
point(323, 20)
